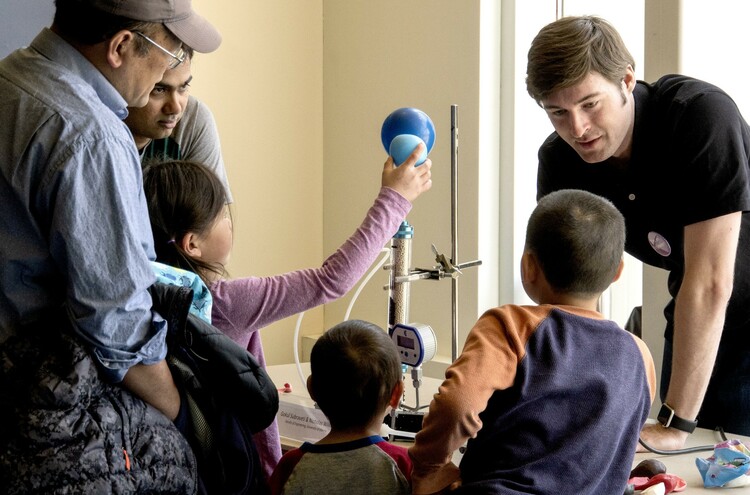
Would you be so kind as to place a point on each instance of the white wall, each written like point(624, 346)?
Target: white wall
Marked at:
point(713, 43)
point(20, 21)
point(683, 36)
point(526, 126)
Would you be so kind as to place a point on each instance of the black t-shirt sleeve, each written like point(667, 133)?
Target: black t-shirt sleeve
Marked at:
point(711, 141)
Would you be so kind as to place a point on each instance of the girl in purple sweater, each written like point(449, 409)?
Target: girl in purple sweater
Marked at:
point(193, 230)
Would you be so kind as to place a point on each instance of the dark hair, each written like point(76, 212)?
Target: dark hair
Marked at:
point(182, 197)
point(578, 238)
point(565, 51)
point(79, 22)
point(354, 367)
point(189, 52)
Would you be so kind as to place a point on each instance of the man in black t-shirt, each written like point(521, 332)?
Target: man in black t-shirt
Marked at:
point(673, 157)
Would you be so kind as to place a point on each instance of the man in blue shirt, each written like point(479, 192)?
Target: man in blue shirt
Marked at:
point(76, 236)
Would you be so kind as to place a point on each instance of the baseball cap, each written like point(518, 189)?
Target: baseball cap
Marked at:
point(177, 15)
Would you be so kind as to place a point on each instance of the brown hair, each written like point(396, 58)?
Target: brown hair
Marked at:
point(578, 238)
point(354, 368)
point(182, 197)
point(565, 51)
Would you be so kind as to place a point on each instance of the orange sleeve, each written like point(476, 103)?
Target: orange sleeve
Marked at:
point(488, 362)
point(648, 362)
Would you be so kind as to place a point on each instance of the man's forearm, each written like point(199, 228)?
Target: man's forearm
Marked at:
point(700, 309)
point(696, 341)
point(155, 386)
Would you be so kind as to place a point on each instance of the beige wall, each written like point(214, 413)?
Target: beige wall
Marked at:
point(264, 85)
point(299, 90)
point(380, 56)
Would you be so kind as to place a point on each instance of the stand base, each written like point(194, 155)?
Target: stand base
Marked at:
point(405, 421)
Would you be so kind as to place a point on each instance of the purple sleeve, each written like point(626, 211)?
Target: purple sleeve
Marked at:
point(242, 306)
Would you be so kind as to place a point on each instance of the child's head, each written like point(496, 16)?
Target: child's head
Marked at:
point(355, 374)
point(189, 217)
point(577, 239)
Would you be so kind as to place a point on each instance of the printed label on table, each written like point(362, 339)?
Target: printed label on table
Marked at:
point(305, 424)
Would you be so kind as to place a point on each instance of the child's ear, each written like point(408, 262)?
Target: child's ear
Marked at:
point(529, 267)
point(619, 270)
point(396, 394)
point(190, 244)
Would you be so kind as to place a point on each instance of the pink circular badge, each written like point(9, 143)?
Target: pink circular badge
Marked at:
point(659, 243)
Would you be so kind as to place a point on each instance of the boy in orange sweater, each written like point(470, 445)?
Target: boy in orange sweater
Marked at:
point(551, 398)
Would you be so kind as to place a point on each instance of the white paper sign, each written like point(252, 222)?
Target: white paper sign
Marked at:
point(305, 424)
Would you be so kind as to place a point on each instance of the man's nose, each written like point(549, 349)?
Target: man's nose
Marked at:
point(173, 103)
point(579, 124)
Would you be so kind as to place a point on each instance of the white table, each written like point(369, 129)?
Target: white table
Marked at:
point(298, 419)
point(299, 403)
point(683, 465)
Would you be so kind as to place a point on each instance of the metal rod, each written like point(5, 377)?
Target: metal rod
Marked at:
point(454, 229)
point(398, 308)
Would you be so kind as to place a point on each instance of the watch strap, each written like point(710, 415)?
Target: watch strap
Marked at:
point(669, 419)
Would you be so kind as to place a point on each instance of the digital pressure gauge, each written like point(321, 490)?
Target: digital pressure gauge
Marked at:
point(415, 342)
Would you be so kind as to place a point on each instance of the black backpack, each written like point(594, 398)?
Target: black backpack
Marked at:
point(226, 396)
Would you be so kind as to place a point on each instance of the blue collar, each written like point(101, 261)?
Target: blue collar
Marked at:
point(329, 448)
point(202, 299)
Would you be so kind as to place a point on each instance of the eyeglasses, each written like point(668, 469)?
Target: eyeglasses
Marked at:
point(177, 58)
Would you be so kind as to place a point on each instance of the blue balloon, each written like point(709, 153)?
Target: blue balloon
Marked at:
point(408, 121)
point(403, 145)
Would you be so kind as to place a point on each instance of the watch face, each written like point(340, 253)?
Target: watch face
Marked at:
point(665, 416)
point(668, 419)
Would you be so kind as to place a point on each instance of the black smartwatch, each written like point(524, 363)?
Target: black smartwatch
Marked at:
point(669, 419)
